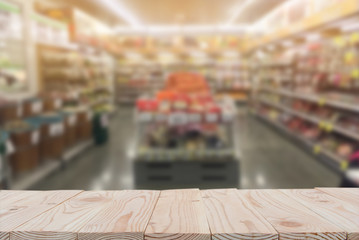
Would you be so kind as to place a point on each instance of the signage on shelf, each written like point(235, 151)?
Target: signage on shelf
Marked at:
point(12, 58)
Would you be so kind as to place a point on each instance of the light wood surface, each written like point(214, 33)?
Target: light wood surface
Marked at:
point(291, 219)
point(179, 214)
point(9, 197)
point(324, 213)
point(231, 217)
point(341, 213)
point(21, 207)
point(125, 217)
point(350, 195)
point(64, 221)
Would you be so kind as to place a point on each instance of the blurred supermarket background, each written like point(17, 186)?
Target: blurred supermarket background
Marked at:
point(126, 94)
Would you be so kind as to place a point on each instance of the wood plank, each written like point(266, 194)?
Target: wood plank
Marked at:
point(125, 217)
point(179, 214)
point(231, 217)
point(291, 219)
point(350, 195)
point(65, 220)
point(340, 213)
point(27, 205)
point(7, 197)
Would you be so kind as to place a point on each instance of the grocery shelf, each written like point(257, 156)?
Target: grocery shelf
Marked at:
point(322, 154)
point(331, 13)
point(313, 98)
point(28, 179)
point(335, 128)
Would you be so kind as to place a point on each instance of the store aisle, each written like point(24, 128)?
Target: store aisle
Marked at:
point(268, 160)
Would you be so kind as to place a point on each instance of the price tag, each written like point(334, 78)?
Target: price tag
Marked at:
point(35, 137)
point(36, 107)
point(161, 117)
point(145, 116)
point(177, 119)
point(322, 101)
point(273, 115)
point(355, 73)
point(89, 115)
point(322, 125)
point(212, 117)
point(72, 120)
point(317, 149)
point(349, 57)
point(339, 42)
point(104, 121)
point(329, 127)
point(56, 129)
point(194, 117)
point(344, 165)
point(354, 38)
point(10, 149)
point(58, 103)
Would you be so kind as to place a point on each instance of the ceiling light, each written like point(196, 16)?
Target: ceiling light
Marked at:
point(120, 10)
point(238, 11)
point(264, 20)
point(189, 29)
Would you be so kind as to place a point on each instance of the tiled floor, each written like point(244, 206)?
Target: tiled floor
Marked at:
point(268, 160)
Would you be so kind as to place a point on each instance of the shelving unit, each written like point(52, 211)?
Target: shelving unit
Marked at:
point(321, 153)
point(137, 80)
point(311, 88)
point(28, 179)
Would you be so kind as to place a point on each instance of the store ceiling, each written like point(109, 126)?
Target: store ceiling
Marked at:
point(180, 12)
point(197, 12)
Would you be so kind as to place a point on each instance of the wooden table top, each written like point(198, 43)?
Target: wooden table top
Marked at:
point(321, 213)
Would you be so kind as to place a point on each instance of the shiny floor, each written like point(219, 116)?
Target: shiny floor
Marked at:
point(268, 160)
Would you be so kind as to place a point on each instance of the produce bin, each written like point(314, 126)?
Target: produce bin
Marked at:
point(85, 125)
point(52, 144)
point(25, 140)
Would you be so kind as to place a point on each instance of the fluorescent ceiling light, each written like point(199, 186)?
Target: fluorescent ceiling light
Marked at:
point(189, 29)
point(120, 10)
point(264, 20)
point(238, 11)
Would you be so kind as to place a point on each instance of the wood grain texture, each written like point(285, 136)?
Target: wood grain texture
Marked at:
point(291, 219)
point(21, 207)
point(65, 220)
point(231, 217)
point(350, 195)
point(125, 217)
point(9, 197)
point(342, 214)
point(179, 214)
